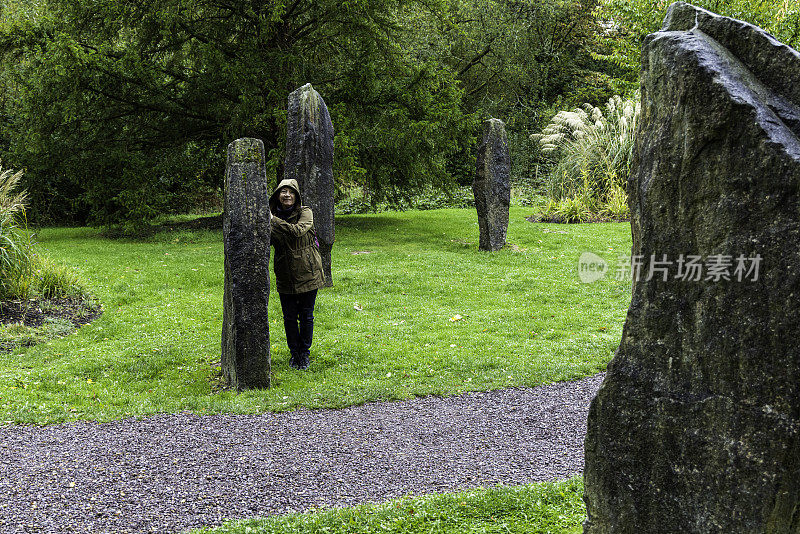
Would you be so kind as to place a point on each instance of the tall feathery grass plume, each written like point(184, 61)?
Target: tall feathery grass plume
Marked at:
point(593, 151)
point(16, 246)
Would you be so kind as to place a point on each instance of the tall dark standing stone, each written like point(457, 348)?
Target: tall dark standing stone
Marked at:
point(491, 187)
point(245, 230)
point(696, 427)
point(309, 160)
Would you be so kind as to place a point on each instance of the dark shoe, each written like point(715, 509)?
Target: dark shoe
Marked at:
point(295, 360)
point(304, 360)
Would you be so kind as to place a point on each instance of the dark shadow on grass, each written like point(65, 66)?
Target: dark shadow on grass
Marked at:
point(397, 228)
point(211, 222)
point(370, 222)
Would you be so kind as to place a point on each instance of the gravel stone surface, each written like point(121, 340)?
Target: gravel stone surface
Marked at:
point(171, 472)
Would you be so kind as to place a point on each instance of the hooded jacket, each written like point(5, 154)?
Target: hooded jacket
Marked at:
point(298, 264)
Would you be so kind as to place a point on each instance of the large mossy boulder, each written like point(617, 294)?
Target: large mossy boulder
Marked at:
point(246, 237)
point(696, 427)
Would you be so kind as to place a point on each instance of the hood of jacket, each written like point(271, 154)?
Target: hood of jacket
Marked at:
point(291, 183)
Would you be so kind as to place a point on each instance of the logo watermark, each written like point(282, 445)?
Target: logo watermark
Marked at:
point(591, 267)
point(685, 267)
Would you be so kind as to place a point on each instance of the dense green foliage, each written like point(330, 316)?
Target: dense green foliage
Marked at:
point(124, 108)
point(546, 508)
point(416, 310)
point(120, 110)
point(518, 60)
point(586, 154)
point(593, 154)
point(629, 21)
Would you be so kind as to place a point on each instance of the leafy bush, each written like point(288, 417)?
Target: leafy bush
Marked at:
point(579, 207)
point(570, 210)
point(523, 194)
point(593, 152)
point(584, 205)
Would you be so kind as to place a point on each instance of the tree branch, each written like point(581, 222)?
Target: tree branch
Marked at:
point(476, 60)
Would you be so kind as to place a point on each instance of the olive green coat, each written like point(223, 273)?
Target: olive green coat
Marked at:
point(298, 264)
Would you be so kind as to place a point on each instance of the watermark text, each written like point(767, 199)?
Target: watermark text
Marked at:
point(684, 267)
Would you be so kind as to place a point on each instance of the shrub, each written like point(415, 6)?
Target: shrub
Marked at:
point(593, 152)
point(579, 207)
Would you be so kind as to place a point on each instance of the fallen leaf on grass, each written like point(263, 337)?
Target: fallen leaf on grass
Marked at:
point(455, 318)
point(358, 307)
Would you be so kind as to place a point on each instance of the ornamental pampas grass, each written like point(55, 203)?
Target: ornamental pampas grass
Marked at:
point(593, 149)
point(23, 270)
point(15, 243)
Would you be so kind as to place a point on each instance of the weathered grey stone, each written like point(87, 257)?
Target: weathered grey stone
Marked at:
point(491, 186)
point(695, 428)
point(309, 160)
point(246, 229)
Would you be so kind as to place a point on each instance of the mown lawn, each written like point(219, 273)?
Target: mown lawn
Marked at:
point(416, 310)
point(547, 508)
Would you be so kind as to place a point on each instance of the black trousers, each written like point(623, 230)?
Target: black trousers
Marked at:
point(298, 320)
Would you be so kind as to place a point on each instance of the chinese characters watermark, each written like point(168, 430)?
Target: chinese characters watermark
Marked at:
point(685, 267)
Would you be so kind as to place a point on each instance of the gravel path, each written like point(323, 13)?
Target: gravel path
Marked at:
point(171, 472)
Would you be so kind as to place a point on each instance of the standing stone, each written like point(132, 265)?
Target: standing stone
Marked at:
point(309, 160)
point(246, 229)
point(697, 425)
point(491, 187)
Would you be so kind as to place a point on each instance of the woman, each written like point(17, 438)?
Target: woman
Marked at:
point(298, 268)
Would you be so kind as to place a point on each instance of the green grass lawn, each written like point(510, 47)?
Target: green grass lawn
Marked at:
point(385, 331)
point(548, 508)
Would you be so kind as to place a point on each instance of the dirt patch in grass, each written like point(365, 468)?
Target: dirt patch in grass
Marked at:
point(31, 321)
